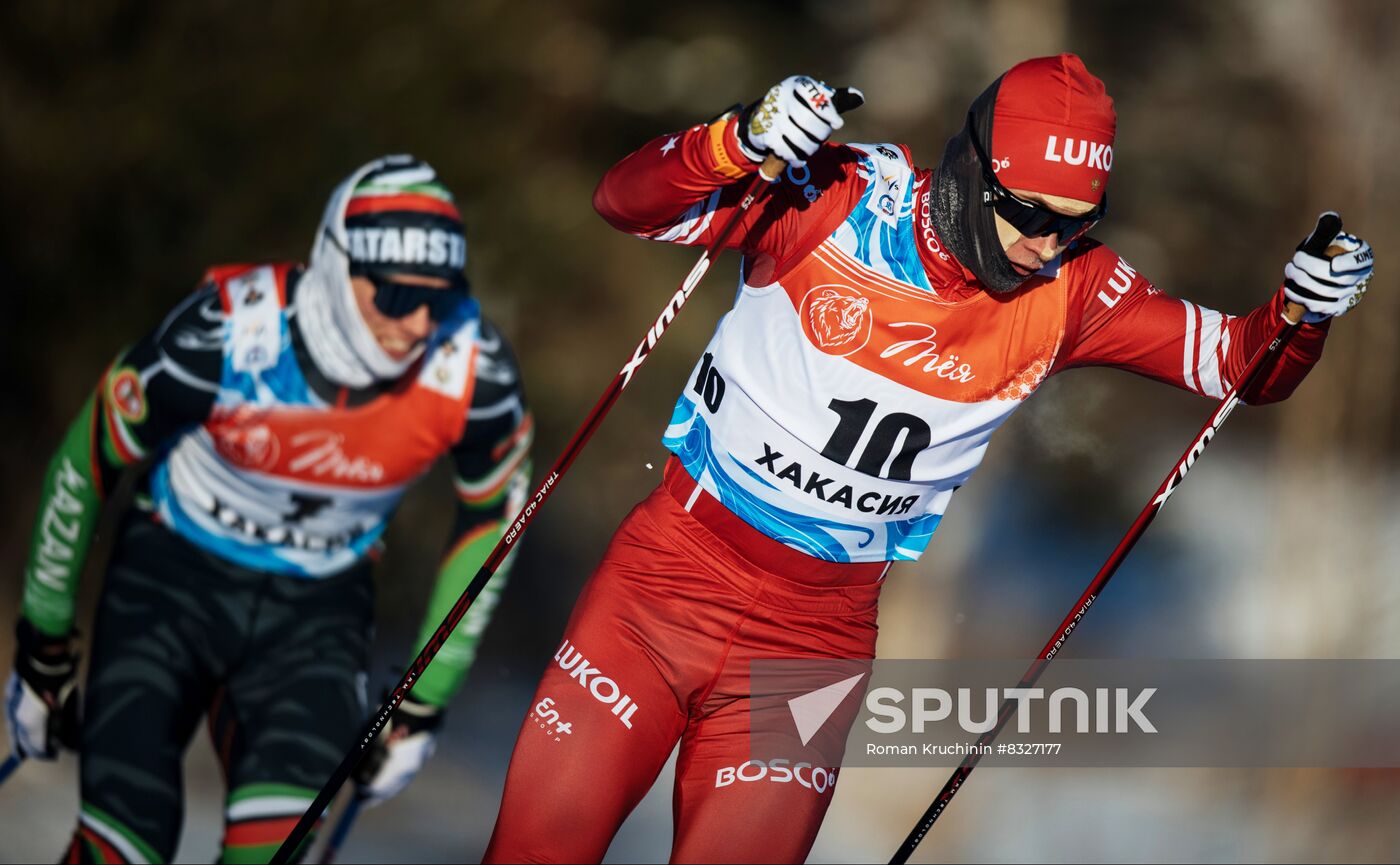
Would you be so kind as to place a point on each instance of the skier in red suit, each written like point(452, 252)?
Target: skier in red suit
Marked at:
point(890, 318)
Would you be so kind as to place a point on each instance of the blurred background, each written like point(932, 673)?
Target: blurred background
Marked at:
point(141, 142)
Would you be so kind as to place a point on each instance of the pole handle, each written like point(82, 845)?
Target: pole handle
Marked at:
point(772, 168)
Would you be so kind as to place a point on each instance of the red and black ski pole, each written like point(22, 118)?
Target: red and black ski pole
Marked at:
point(1263, 360)
point(769, 171)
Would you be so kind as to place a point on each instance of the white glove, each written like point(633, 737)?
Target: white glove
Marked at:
point(791, 121)
point(28, 717)
point(400, 752)
point(1328, 285)
point(41, 696)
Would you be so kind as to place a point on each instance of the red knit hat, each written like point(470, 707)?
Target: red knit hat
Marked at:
point(1052, 129)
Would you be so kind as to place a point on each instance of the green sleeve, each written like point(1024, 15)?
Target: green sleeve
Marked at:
point(69, 508)
point(484, 522)
point(139, 403)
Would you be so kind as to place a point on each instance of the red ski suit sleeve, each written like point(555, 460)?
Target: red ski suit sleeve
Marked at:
point(1119, 319)
point(683, 187)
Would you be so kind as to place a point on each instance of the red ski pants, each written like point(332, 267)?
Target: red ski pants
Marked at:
point(658, 650)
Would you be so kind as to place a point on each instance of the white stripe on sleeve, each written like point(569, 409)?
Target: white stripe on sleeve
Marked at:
point(692, 223)
point(1208, 370)
point(1188, 366)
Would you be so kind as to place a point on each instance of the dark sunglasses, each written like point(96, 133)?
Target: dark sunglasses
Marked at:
point(398, 299)
point(1032, 220)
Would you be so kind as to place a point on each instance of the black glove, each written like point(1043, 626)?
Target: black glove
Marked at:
point(399, 751)
point(41, 697)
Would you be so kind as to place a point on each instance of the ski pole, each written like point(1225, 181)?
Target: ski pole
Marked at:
point(1327, 228)
point(342, 828)
point(769, 171)
point(8, 767)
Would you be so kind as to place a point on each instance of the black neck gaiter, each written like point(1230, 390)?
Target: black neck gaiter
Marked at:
point(964, 224)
